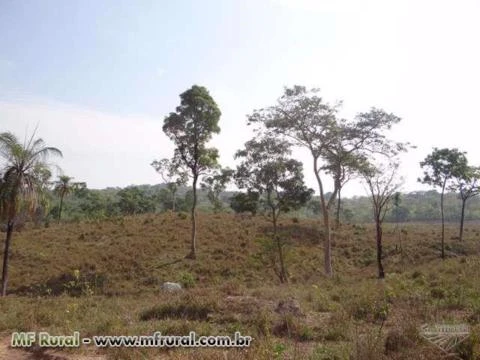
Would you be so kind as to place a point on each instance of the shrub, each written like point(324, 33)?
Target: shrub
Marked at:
point(187, 279)
point(182, 215)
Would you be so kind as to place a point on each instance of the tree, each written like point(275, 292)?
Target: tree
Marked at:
point(382, 186)
point(190, 127)
point(399, 212)
point(134, 201)
point(25, 171)
point(441, 167)
point(94, 204)
point(215, 184)
point(278, 180)
point(468, 186)
point(64, 187)
point(308, 121)
point(342, 165)
point(172, 177)
point(245, 202)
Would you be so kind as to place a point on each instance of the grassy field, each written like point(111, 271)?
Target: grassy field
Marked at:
point(103, 278)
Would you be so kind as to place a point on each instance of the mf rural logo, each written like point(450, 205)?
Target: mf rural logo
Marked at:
point(445, 337)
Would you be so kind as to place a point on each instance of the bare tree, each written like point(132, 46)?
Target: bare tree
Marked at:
point(382, 183)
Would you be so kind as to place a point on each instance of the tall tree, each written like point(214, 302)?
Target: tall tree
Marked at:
point(24, 169)
point(215, 184)
point(308, 121)
point(191, 127)
point(468, 186)
point(268, 171)
point(64, 187)
point(382, 185)
point(172, 176)
point(441, 168)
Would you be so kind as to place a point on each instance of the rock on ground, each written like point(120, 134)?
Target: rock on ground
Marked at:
point(171, 286)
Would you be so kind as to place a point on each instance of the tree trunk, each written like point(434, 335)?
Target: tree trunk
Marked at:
point(381, 273)
point(443, 220)
point(326, 222)
point(339, 201)
point(193, 249)
point(283, 271)
point(462, 218)
point(61, 207)
point(5, 257)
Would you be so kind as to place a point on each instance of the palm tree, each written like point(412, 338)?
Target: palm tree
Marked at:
point(24, 171)
point(63, 187)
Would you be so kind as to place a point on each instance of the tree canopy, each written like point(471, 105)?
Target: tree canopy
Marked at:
point(190, 127)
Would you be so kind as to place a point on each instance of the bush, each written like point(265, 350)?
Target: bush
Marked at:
point(187, 279)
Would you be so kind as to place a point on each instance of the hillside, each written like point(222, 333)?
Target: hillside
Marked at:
point(104, 277)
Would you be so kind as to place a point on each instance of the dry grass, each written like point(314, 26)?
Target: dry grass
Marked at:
point(103, 278)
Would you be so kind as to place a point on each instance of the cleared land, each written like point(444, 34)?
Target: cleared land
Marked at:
point(103, 278)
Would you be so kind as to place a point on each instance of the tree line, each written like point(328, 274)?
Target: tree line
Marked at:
point(271, 179)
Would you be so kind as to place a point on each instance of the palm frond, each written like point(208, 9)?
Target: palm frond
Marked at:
point(26, 174)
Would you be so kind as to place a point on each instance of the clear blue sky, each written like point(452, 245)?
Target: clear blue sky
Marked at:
point(129, 56)
point(99, 76)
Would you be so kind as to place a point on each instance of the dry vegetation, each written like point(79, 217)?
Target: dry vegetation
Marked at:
point(103, 278)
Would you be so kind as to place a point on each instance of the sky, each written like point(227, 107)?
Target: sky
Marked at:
point(97, 78)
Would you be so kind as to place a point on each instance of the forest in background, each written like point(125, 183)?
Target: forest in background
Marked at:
point(111, 202)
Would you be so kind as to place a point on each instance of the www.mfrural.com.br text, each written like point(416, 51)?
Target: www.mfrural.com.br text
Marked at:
point(45, 339)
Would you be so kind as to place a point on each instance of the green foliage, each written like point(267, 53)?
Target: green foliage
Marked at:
point(215, 184)
point(25, 174)
point(23, 184)
point(190, 127)
point(134, 201)
point(442, 166)
point(468, 184)
point(64, 187)
point(268, 171)
point(95, 204)
point(245, 202)
point(173, 178)
point(415, 206)
point(338, 147)
point(187, 279)
point(279, 350)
